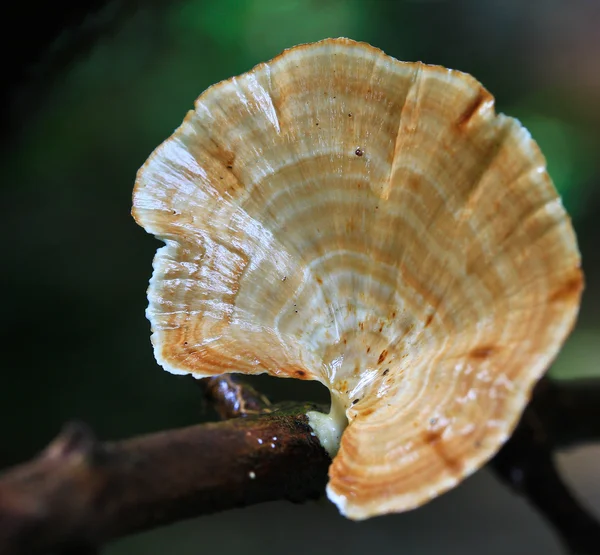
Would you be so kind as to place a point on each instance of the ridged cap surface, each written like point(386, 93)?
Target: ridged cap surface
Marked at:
point(338, 215)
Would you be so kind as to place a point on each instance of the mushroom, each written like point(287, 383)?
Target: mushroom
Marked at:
point(341, 216)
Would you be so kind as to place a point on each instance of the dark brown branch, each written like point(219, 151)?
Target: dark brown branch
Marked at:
point(560, 414)
point(80, 493)
point(571, 410)
point(232, 397)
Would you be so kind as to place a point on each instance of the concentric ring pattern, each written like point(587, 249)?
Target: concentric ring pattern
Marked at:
point(338, 215)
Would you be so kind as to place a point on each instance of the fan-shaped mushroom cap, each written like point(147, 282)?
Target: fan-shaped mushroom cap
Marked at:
point(340, 216)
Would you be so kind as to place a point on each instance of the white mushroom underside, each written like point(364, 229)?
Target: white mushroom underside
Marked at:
point(341, 216)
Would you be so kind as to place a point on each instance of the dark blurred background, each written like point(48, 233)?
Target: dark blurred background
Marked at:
point(90, 90)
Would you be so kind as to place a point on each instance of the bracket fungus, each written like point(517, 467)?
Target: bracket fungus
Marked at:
point(341, 216)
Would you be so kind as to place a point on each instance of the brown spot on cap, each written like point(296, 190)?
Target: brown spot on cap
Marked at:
point(359, 152)
point(482, 352)
point(300, 374)
point(382, 356)
point(226, 157)
point(429, 320)
point(434, 439)
point(568, 290)
point(482, 97)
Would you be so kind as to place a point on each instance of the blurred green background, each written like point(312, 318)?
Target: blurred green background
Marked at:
point(76, 267)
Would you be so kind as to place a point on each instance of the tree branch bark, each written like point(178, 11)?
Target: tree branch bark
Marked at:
point(80, 493)
point(560, 414)
point(232, 397)
point(571, 410)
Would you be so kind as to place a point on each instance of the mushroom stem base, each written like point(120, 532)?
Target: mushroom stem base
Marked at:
point(329, 427)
